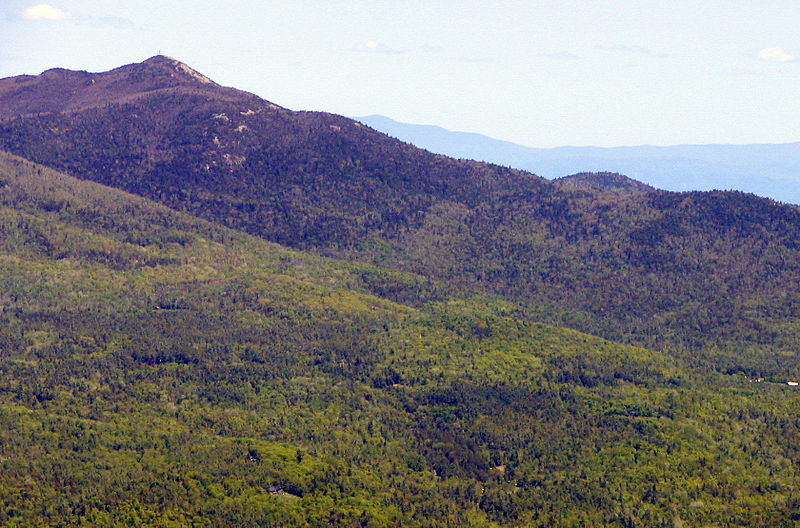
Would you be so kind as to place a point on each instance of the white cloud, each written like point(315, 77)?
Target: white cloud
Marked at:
point(44, 12)
point(775, 55)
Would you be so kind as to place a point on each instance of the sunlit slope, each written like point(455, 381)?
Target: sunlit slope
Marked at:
point(158, 370)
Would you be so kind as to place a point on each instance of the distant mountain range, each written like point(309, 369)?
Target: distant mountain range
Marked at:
point(769, 170)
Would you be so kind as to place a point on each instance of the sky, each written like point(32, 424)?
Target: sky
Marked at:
point(538, 73)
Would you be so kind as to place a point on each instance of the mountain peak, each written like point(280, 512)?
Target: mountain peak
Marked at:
point(167, 64)
point(60, 90)
point(159, 59)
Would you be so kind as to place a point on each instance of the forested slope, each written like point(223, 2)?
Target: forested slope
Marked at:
point(706, 275)
point(604, 181)
point(159, 370)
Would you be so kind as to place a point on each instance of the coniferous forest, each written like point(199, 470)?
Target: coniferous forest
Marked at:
point(218, 312)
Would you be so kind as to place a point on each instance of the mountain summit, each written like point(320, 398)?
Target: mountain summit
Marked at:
point(175, 68)
point(60, 90)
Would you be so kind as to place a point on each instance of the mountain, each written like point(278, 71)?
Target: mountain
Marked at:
point(610, 182)
point(701, 275)
point(156, 130)
point(770, 170)
point(162, 370)
point(60, 90)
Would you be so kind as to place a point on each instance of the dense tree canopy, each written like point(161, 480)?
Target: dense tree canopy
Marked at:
point(159, 370)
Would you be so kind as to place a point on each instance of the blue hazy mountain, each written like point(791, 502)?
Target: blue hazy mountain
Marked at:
point(770, 170)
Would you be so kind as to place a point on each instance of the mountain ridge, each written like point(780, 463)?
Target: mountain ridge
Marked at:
point(619, 266)
point(769, 170)
point(220, 137)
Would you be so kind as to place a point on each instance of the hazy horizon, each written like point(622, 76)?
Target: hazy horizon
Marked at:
point(768, 169)
point(468, 132)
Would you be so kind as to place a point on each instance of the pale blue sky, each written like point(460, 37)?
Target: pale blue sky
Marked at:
point(540, 73)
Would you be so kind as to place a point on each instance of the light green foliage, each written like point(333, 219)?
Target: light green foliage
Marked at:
point(158, 370)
